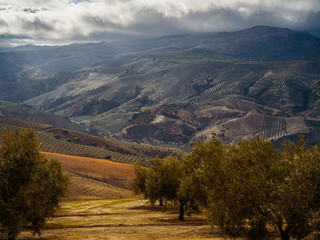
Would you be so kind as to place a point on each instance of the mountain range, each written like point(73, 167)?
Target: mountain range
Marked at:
point(176, 89)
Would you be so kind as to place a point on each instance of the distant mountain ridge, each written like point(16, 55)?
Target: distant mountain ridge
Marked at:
point(270, 43)
point(177, 88)
point(28, 47)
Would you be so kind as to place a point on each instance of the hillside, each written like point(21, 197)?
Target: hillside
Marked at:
point(177, 89)
point(62, 141)
point(180, 99)
point(22, 111)
point(98, 167)
point(95, 178)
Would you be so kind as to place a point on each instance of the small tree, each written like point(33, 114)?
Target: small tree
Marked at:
point(31, 187)
point(162, 181)
point(192, 192)
point(172, 180)
point(138, 183)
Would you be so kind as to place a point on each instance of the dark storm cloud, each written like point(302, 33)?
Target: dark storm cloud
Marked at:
point(37, 25)
point(155, 24)
point(6, 39)
point(29, 10)
point(11, 36)
point(50, 21)
point(311, 24)
point(3, 23)
point(99, 22)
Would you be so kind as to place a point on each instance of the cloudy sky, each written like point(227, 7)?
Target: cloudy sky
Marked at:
point(65, 21)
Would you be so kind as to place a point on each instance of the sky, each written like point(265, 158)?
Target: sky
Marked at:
point(57, 22)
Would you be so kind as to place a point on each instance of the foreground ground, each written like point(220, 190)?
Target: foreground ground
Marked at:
point(122, 219)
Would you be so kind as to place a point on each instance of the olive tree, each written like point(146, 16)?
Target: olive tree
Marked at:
point(138, 183)
point(163, 179)
point(250, 189)
point(31, 187)
point(255, 190)
point(162, 182)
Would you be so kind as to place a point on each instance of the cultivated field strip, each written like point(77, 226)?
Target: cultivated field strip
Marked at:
point(48, 143)
point(142, 146)
point(273, 127)
point(28, 113)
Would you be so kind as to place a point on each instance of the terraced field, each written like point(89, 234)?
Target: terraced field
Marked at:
point(57, 140)
point(272, 127)
point(22, 111)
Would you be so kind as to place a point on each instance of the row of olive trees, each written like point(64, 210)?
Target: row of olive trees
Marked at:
point(31, 187)
point(249, 189)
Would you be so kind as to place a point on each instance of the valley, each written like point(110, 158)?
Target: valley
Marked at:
point(176, 90)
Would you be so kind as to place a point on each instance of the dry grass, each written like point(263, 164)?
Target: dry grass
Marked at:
point(82, 188)
point(95, 178)
point(98, 167)
point(122, 219)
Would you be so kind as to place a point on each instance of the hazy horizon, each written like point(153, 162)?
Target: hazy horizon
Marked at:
point(49, 22)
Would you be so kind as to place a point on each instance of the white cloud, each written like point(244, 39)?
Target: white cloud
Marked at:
point(72, 20)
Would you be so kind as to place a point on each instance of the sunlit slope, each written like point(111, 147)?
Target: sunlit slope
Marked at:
point(94, 178)
point(96, 168)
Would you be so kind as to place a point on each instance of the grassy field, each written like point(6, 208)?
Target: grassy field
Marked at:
point(99, 207)
point(131, 218)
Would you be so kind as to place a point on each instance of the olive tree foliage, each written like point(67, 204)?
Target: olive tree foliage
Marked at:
point(31, 187)
point(159, 182)
point(164, 181)
point(138, 183)
point(255, 190)
point(249, 189)
point(301, 194)
point(241, 181)
point(194, 166)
